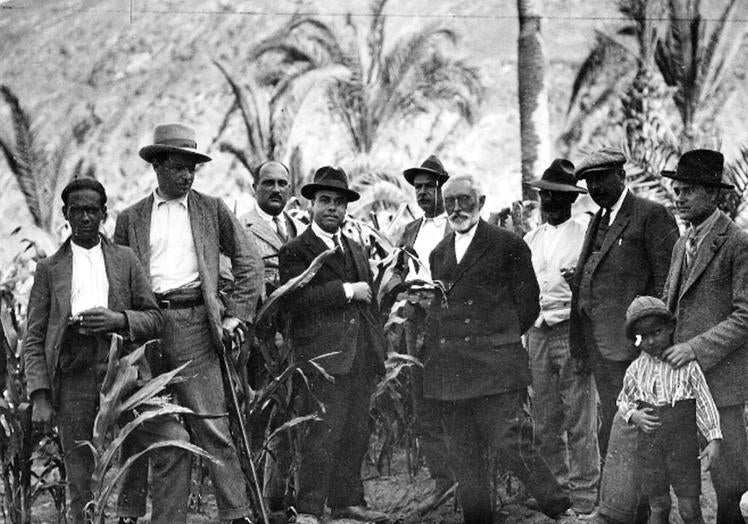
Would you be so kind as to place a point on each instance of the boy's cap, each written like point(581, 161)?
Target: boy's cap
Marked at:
point(642, 307)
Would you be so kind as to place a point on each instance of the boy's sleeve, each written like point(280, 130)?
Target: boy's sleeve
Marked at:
point(707, 416)
point(627, 397)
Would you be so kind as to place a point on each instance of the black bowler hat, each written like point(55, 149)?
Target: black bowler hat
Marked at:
point(700, 166)
point(558, 177)
point(329, 177)
point(431, 166)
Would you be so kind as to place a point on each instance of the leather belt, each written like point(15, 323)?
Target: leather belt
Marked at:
point(178, 303)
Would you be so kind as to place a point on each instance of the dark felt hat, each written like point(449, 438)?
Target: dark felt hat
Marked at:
point(431, 166)
point(558, 177)
point(700, 166)
point(644, 306)
point(329, 177)
point(173, 138)
point(600, 161)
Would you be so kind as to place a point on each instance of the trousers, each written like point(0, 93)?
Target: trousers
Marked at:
point(497, 420)
point(564, 409)
point(186, 337)
point(78, 405)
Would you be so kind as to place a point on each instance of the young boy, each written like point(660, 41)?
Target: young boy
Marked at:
point(667, 405)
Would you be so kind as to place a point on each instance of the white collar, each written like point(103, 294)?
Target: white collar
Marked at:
point(95, 250)
point(437, 220)
point(470, 233)
point(266, 216)
point(322, 234)
point(158, 199)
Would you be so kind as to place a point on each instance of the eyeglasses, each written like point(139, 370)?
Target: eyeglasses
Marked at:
point(463, 200)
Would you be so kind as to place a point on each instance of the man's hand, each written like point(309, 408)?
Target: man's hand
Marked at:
point(710, 453)
point(361, 291)
point(102, 320)
point(568, 273)
point(42, 414)
point(233, 326)
point(678, 355)
point(645, 420)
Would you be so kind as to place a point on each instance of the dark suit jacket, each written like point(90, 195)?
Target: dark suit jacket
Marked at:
point(215, 231)
point(49, 308)
point(473, 344)
point(322, 320)
point(634, 260)
point(711, 308)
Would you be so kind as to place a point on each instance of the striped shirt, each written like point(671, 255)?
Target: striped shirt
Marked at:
point(649, 379)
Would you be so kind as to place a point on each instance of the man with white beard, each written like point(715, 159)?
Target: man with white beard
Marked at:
point(475, 368)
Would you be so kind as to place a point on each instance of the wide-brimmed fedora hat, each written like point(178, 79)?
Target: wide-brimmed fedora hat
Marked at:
point(700, 166)
point(328, 177)
point(558, 177)
point(173, 138)
point(431, 166)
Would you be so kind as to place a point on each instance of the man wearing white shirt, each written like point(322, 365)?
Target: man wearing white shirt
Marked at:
point(422, 235)
point(564, 402)
point(88, 289)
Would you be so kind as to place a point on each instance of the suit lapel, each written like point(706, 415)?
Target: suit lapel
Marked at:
point(195, 211)
point(707, 250)
point(316, 246)
point(675, 274)
point(62, 276)
point(589, 238)
point(142, 230)
point(263, 230)
point(112, 266)
point(475, 250)
point(618, 225)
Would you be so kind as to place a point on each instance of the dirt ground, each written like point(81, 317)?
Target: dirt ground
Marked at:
point(398, 495)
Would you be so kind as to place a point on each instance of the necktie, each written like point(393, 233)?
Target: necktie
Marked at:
point(602, 230)
point(336, 238)
point(280, 229)
point(690, 249)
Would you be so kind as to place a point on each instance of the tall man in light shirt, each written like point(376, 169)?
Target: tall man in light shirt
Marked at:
point(564, 401)
point(422, 235)
point(333, 315)
point(178, 234)
point(88, 289)
point(707, 291)
point(475, 368)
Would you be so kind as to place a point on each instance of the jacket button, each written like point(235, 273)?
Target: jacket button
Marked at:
point(353, 321)
point(470, 302)
point(467, 339)
point(467, 321)
point(443, 341)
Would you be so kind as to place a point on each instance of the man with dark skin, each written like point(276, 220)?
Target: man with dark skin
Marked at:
point(86, 290)
point(707, 291)
point(564, 402)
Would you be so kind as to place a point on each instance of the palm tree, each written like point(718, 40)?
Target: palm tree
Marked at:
point(40, 176)
point(533, 95)
point(369, 88)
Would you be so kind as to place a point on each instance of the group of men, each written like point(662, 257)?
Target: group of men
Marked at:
point(567, 287)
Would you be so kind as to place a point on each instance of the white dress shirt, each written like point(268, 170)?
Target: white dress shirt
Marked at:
point(330, 242)
point(173, 255)
point(553, 248)
point(463, 240)
point(89, 286)
point(430, 233)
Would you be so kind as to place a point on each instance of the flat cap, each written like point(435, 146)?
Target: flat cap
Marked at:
point(599, 161)
point(644, 306)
